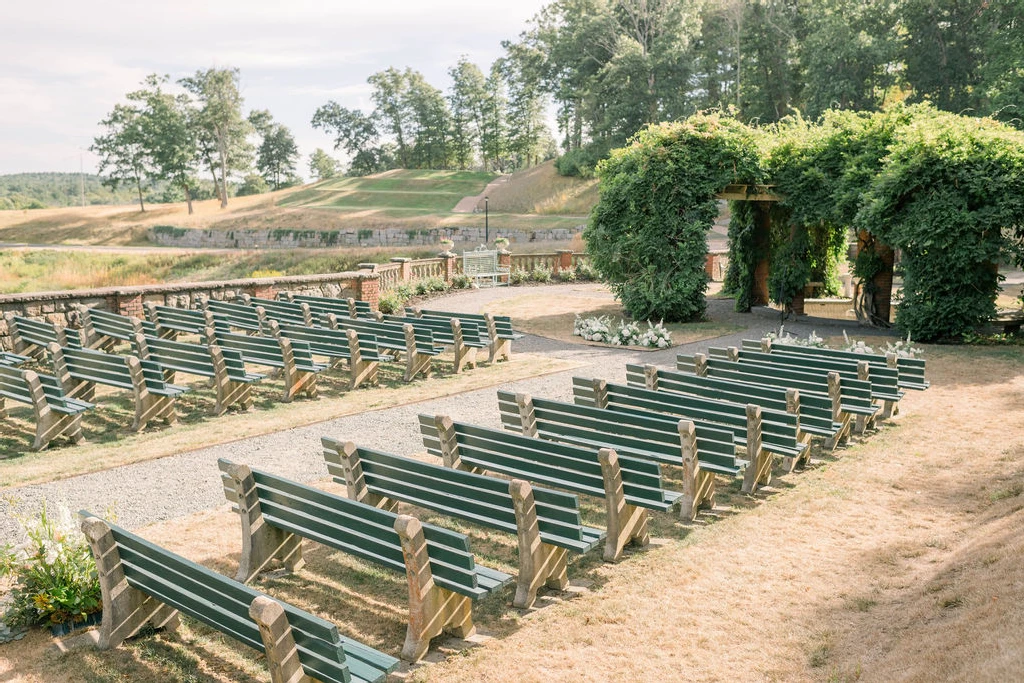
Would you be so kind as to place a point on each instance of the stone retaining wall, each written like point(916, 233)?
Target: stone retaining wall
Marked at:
point(379, 237)
point(60, 307)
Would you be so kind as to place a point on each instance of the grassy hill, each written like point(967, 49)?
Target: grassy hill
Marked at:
point(533, 199)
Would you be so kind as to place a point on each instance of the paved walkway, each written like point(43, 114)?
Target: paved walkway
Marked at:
point(183, 484)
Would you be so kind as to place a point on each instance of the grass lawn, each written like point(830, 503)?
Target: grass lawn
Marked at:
point(897, 558)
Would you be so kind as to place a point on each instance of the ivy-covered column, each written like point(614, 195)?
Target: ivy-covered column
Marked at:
point(762, 247)
point(875, 263)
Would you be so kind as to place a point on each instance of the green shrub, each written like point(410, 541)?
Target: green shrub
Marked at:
point(540, 274)
point(518, 276)
point(392, 302)
point(462, 281)
point(567, 275)
point(582, 161)
point(53, 573)
point(585, 271)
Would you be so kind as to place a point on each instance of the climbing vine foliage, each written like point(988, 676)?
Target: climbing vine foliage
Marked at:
point(944, 190)
point(647, 234)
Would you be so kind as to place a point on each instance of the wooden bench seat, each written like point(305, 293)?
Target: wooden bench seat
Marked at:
point(80, 370)
point(277, 513)
point(854, 393)
point(224, 366)
point(546, 522)
point(102, 330)
point(500, 334)
point(416, 344)
point(910, 371)
point(294, 359)
point(630, 486)
point(283, 311)
point(813, 410)
point(144, 585)
point(883, 379)
point(464, 338)
point(776, 431)
point(237, 316)
point(12, 359)
point(33, 337)
point(56, 414)
point(171, 321)
point(700, 449)
point(320, 306)
point(360, 351)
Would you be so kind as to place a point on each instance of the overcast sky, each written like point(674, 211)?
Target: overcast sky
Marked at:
point(64, 65)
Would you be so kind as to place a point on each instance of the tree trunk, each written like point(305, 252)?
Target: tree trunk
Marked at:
point(138, 187)
point(223, 174)
point(188, 199)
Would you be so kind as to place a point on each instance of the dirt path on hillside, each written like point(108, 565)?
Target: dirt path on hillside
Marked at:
point(470, 204)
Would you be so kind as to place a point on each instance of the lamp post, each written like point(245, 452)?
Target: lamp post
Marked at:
point(487, 227)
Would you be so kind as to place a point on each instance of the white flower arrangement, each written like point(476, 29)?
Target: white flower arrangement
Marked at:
point(902, 348)
point(600, 329)
point(783, 337)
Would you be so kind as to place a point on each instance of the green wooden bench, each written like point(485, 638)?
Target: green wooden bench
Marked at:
point(481, 265)
point(754, 428)
point(546, 522)
point(360, 351)
point(910, 371)
point(171, 321)
point(284, 312)
point(12, 359)
point(807, 384)
point(883, 379)
point(444, 579)
point(360, 309)
point(464, 338)
point(80, 370)
point(416, 344)
point(33, 337)
point(294, 359)
point(631, 487)
point(320, 306)
point(700, 449)
point(225, 367)
point(237, 316)
point(855, 394)
point(144, 585)
point(55, 413)
point(102, 330)
point(500, 334)
point(813, 410)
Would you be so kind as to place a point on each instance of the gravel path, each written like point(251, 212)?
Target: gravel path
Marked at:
point(180, 485)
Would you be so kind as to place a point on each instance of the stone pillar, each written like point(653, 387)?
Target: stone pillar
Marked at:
point(448, 265)
point(796, 306)
point(505, 261)
point(709, 266)
point(564, 261)
point(406, 272)
point(130, 305)
point(368, 289)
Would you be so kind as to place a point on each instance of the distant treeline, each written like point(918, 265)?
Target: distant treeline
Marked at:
point(56, 190)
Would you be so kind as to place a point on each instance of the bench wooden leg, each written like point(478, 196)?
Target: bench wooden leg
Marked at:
point(298, 382)
point(54, 425)
point(464, 357)
point(261, 542)
point(3, 408)
point(125, 610)
point(759, 467)
point(230, 392)
point(698, 485)
point(361, 370)
point(539, 563)
point(278, 641)
point(432, 610)
point(152, 407)
point(500, 349)
point(626, 523)
point(416, 364)
point(889, 409)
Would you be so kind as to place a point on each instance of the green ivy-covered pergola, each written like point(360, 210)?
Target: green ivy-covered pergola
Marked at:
point(945, 190)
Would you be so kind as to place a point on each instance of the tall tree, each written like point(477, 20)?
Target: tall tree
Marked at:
point(493, 121)
point(124, 157)
point(170, 133)
point(527, 132)
point(219, 103)
point(465, 100)
point(322, 165)
point(430, 122)
point(390, 98)
point(277, 153)
point(355, 133)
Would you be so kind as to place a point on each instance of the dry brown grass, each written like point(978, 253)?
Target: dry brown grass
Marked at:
point(542, 190)
point(536, 312)
point(896, 559)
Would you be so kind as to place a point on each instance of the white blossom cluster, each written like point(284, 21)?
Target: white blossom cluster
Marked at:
point(600, 329)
